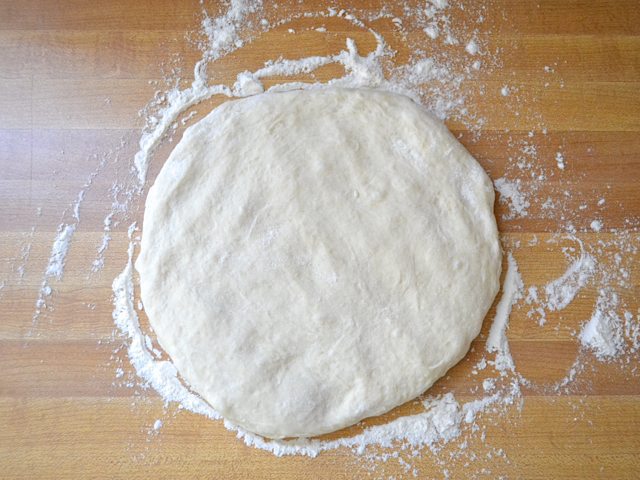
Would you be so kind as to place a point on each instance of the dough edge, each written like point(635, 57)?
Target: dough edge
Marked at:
point(155, 191)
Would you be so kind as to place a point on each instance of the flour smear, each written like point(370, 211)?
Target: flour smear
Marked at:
point(446, 56)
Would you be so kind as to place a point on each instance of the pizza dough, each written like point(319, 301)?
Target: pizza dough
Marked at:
point(312, 258)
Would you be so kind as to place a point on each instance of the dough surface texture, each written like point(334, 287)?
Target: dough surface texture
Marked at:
point(312, 258)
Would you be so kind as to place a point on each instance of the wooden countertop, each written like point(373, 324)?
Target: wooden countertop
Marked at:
point(73, 76)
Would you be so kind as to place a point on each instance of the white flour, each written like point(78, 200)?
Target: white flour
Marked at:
point(61, 245)
point(511, 292)
point(632, 330)
point(59, 250)
point(98, 263)
point(512, 195)
point(444, 58)
point(441, 422)
point(603, 333)
point(561, 291)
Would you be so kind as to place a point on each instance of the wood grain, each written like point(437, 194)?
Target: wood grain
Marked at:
point(73, 76)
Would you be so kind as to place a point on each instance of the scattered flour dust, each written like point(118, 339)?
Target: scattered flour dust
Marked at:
point(604, 333)
point(440, 423)
point(561, 291)
point(436, 77)
point(512, 194)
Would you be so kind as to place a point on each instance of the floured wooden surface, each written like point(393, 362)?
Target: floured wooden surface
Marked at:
point(73, 81)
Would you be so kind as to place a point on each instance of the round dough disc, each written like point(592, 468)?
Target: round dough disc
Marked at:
point(312, 258)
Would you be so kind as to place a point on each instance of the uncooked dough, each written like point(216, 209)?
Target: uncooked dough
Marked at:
point(312, 258)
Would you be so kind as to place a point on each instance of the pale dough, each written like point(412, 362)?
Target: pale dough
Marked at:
point(312, 258)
